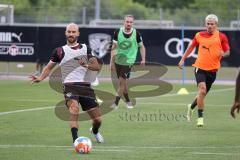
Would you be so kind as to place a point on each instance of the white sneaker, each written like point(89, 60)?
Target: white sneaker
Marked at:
point(99, 100)
point(98, 136)
point(200, 122)
point(129, 105)
point(189, 113)
point(114, 106)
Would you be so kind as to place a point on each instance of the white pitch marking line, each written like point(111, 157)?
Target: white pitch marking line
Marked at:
point(27, 110)
point(195, 92)
point(215, 153)
point(66, 147)
point(179, 104)
point(44, 108)
point(119, 147)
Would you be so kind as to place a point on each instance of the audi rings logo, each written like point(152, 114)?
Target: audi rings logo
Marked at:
point(173, 47)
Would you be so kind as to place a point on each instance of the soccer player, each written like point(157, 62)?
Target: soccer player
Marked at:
point(213, 45)
point(78, 69)
point(236, 105)
point(126, 42)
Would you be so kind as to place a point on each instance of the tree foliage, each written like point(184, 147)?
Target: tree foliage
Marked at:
point(180, 11)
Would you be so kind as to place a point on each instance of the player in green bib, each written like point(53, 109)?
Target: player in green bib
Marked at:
point(126, 42)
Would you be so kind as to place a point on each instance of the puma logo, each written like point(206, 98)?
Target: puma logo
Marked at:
point(18, 37)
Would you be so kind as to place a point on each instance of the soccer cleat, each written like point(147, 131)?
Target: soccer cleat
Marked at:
point(99, 100)
point(189, 113)
point(129, 105)
point(114, 106)
point(98, 136)
point(200, 122)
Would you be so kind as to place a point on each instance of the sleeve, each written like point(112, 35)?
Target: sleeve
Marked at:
point(194, 41)
point(139, 38)
point(115, 35)
point(57, 55)
point(224, 42)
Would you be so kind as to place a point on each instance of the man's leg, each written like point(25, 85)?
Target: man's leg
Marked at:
point(120, 90)
point(126, 96)
point(192, 106)
point(194, 103)
point(202, 90)
point(74, 112)
point(95, 115)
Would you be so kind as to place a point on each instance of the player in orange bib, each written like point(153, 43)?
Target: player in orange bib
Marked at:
point(212, 46)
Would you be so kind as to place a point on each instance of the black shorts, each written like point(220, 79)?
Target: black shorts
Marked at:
point(205, 76)
point(81, 92)
point(123, 70)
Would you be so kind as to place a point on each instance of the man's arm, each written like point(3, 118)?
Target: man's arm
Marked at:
point(236, 105)
point(186, 54)
point(94, 64)
point(113, 53)
point(143, 53)
point(46, 70)
point(237, 88)
point(225, 45)
point(225, 54)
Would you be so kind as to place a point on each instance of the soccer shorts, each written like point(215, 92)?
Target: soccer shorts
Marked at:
point(123, 71)
point(205, 76)
point(81, 92)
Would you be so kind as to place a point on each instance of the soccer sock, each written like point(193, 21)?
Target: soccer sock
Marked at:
point(194, 104)
point(200, 113)
point(126, 97)
point(96, 126)
point(117, 100)
point(74, 133)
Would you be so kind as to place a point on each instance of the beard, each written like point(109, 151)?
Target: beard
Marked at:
point(71, 39)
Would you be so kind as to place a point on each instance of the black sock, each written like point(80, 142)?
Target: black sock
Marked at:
point(126, 97)
point(95, 128)
point(194, 104)
point(200, 113)
point(74, 133)
point(117, 100)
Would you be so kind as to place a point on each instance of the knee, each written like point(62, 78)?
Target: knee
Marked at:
point(202, 90)
point(97, 120)
point(73, 109)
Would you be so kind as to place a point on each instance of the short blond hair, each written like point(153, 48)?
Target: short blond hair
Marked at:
point(212, 16)
point(129, 15)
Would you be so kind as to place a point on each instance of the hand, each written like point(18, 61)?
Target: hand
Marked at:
point(180, 64)
point(82, 62)
point(35, 79)
point(143, 62)
point(236, 106)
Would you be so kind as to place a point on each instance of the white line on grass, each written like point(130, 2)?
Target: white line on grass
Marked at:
point(50, 107)
point(121, 147)
point(25, 100)
point(65, 147)
point(27, 110)
point(195, 92)
point(179, 104)
point(215, 153)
